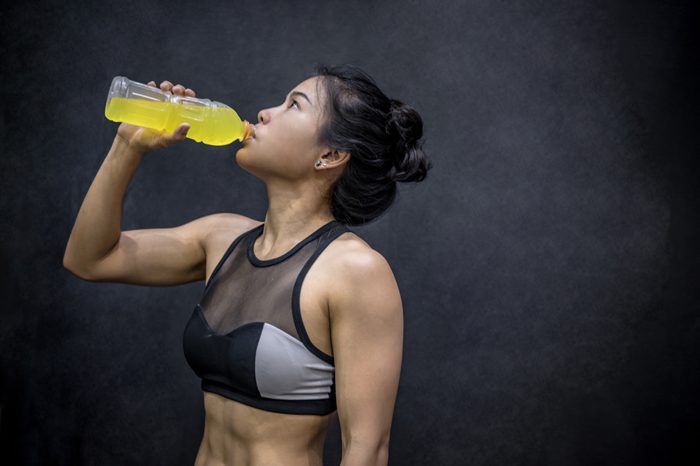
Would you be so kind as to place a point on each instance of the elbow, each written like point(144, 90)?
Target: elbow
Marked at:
point(75, 270)
point(374, 452)
point(66, 262)
point(69, 262)
point(381, 454)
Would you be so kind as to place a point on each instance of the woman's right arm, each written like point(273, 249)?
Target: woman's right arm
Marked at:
point(98, 250)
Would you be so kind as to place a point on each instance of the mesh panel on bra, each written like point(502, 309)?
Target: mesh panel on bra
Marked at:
point(241, 293)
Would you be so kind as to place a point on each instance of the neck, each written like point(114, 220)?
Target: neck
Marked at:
point(293, 214)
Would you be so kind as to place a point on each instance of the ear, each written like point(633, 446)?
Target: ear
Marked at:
point(335, 158)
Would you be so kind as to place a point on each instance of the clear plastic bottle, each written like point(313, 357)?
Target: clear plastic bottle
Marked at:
point(139, 104)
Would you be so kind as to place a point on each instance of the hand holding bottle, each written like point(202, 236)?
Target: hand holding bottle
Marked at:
point(168, 111)
point(146, 139)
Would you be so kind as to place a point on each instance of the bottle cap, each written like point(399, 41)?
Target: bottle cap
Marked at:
point(246, 131)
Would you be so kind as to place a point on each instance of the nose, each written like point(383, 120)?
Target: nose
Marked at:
point(263, 116)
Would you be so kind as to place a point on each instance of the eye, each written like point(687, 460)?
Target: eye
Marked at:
point(294, 102)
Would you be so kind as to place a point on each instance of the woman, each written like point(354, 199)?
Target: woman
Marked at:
point(278, 359)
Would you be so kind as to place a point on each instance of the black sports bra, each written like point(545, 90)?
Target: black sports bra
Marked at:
point(246, 339)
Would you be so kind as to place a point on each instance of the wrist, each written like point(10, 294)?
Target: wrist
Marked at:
point(123, 145)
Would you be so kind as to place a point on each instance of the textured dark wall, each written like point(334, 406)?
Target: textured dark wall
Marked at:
point(548, 265)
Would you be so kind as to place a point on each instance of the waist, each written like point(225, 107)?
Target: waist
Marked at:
point(235, 429)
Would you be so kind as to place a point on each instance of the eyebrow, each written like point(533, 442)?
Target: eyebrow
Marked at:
point(301, 94)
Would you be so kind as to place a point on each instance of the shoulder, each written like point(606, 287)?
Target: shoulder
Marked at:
point(227, 221)
point(358, 271)
point(219, 229)
point(350, 254)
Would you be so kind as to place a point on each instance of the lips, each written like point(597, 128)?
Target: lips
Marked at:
point(249, 131)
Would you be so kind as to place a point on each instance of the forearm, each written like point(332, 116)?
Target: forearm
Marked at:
point(98, 225)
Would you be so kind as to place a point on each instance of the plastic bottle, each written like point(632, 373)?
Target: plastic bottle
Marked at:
point(210, 122)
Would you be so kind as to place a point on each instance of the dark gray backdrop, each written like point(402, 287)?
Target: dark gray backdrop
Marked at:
point(548, 265)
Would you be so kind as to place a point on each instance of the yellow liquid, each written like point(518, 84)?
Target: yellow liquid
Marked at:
point(216, 126)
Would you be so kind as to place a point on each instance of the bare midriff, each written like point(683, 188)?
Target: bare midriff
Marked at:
point(241, 435)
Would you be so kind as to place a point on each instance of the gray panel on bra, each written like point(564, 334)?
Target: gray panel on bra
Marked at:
point(286, 370)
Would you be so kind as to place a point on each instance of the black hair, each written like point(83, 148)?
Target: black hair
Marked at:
point(382, 136)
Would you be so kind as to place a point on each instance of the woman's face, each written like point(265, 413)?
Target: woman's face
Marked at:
point(285, 144)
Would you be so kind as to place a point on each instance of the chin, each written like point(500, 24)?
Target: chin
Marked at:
point(245, 161)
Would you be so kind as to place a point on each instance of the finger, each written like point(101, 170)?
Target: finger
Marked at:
point(181, 131)
point(166, 85)
point(189, 92)
point(152, 83)
point(178, 135)
point(178, 89)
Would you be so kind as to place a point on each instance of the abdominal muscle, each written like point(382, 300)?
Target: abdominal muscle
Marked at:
point(240, 435)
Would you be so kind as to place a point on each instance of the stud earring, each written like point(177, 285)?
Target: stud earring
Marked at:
point(318, 163)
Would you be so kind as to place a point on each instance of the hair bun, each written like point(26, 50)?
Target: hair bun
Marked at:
point(405, 125)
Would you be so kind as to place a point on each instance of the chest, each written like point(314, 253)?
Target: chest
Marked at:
point(312, 295)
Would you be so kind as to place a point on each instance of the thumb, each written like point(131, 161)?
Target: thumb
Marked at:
point(179, 134)
point(182, 130)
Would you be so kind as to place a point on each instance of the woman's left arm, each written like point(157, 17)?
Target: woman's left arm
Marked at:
point(366, 316)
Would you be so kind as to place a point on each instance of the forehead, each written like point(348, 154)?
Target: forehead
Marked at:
point(312, 88)
point(308, 86)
